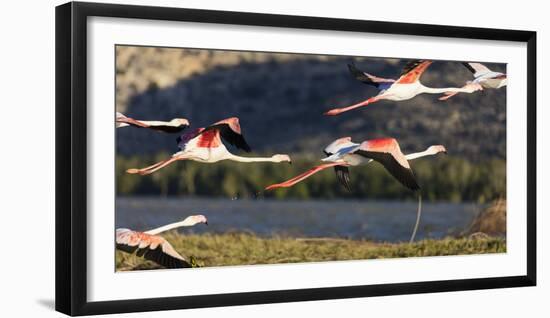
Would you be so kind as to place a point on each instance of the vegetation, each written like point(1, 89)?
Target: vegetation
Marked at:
point(244, 248)
point(443, 178)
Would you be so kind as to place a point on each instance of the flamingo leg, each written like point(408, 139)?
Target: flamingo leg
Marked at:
point(152, 168)
point(448, 95)
point(303, 176)
point(338, 111)
point(131, 121)
point(418, 213)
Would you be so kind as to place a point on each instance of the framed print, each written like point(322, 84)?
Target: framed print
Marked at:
point(209, 158)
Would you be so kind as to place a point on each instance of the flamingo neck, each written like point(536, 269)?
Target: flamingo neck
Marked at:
point(157, 123)
point(421, 154)
point(168, 227)
point(251, 159)
point(431, 90)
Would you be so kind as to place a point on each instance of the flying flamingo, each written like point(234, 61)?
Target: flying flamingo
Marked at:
point(205, 145)
point(343, 153)
point(173, 126)
point(483, 78)
point(154, 247)
point(405, 87)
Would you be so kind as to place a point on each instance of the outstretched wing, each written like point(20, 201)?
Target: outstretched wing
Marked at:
point(368, 78)
point(230, 131)
point(151, 247)
point(413, 70)
point(168, 127)
point(342, 173)
point(477, 69)
point(188, 136)
point(386, 151)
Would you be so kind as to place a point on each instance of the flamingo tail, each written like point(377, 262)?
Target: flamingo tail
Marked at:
point(418, 213)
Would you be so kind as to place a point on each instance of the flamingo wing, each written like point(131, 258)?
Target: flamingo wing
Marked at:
point(187, 137)
point(168, 128)
point(386, 151)
point(477, 69)
point(412, 71)
point(151, 247)
point(336, 147)
point(368, 78)
point(230, 131)
point(342, 173)
point(302, 176)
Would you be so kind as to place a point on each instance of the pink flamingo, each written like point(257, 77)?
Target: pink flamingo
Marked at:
point(205, 145)
point(405, 87)
point(343, 153)
point(154, 247)
point(173, 126)
point(483, 78)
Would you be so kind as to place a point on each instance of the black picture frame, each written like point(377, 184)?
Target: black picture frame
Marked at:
point(71, 157)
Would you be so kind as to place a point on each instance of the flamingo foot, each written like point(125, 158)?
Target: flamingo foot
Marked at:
point(334, 112)
point(141, 172)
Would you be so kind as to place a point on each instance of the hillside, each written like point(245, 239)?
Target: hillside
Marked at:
point(280, 99)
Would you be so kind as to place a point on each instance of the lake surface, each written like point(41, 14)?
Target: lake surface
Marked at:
point(377, 220)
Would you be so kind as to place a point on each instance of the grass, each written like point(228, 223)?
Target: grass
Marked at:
point(248, 249)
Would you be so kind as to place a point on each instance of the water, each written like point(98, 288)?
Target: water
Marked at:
point(378, 220)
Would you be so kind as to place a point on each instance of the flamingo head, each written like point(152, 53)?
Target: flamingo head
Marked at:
point(435, 149)
point(281, 158)
point(178, 122)
point(503, 80)
point(195, 219)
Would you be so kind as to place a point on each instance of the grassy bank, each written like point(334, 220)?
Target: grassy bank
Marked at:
point(244, 249)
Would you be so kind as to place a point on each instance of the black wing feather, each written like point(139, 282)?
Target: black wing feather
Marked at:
point(342, 173)
point(159, 257)
point(169, 129)
point(361, 76)
point(469, 67)
point(402, 174)
point(156, 255)
point(230, 136)
point(410, 66)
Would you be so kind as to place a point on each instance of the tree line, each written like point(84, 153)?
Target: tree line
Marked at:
point(445, 178)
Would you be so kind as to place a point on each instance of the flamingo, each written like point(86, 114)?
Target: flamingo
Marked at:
point(147, 243)
point(205, 145)
point(483, 78)
point(405, 87)
point(343, 153)
point(173, 126)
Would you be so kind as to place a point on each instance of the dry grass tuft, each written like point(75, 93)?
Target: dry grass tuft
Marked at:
point(491, 221)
